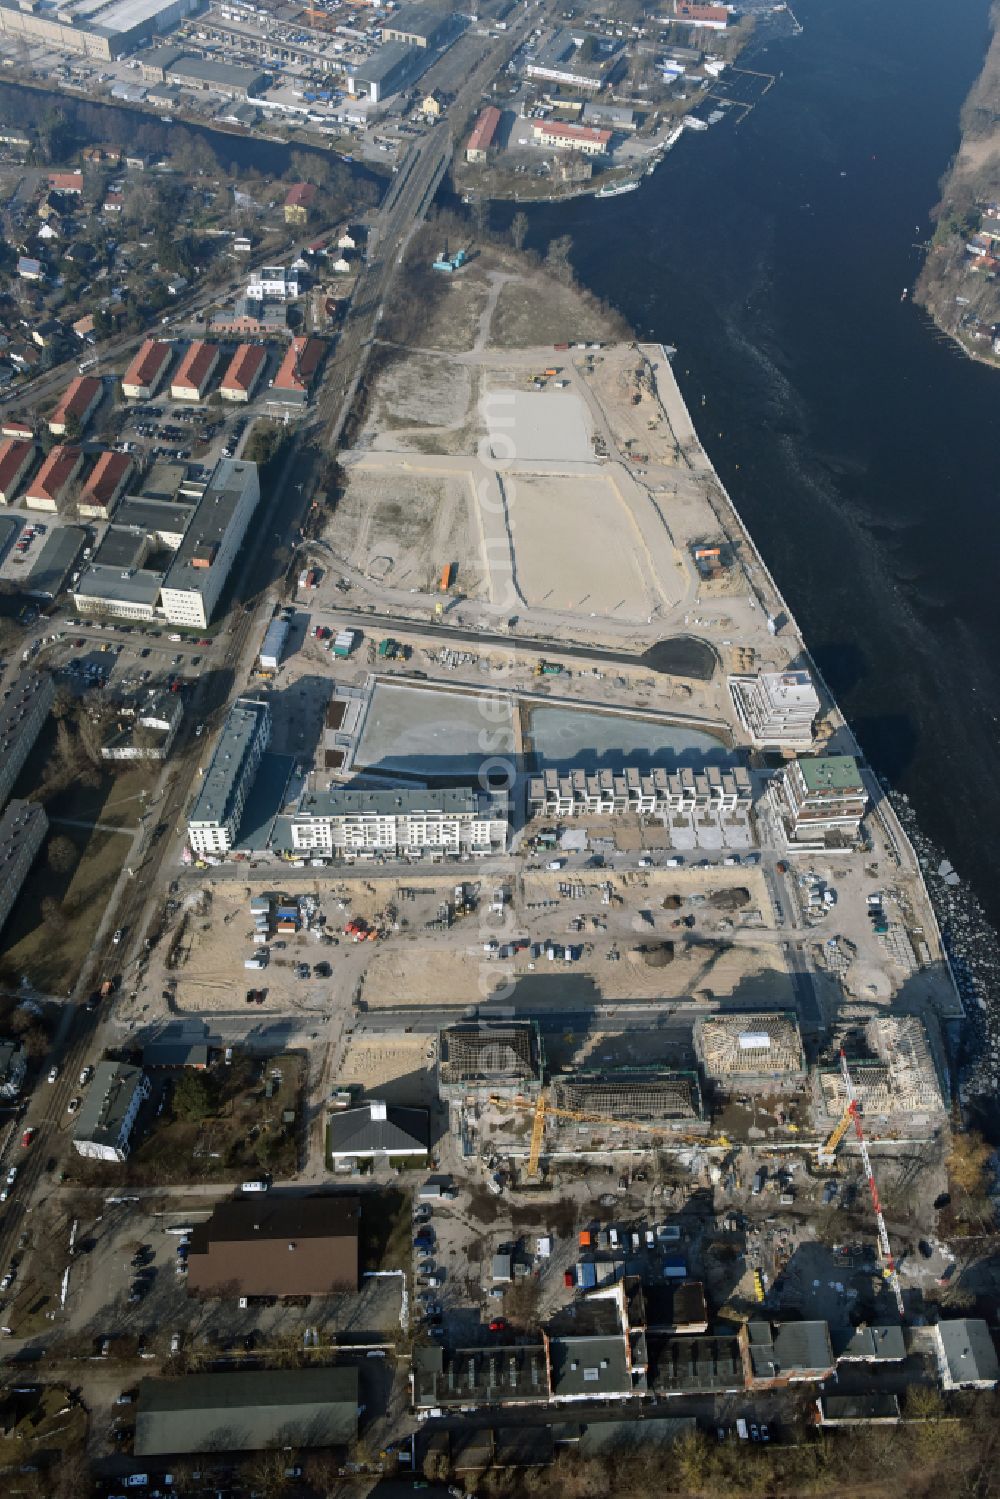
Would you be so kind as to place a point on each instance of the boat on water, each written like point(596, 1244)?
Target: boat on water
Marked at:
point(613, 189)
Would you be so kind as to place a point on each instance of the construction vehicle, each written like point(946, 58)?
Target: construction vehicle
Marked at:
point(827, 1153)
point(888, 1263)
point(542, 1107)
point(359, 930)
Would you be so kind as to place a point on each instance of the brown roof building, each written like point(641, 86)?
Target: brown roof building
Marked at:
point(66, 182)
point(276, 1246)
point(142, 378)
point(79, 400)
point(244, 372)
point(196, 370)
point(103, 489)
point(16, 457)
point(298, 201)
point(47, 489)
point(484, 134)
point(298, 369)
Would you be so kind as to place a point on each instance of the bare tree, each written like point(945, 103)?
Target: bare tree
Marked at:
point(519, 230)
point(557, 259)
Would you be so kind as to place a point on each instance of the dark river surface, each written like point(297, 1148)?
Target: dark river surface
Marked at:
point(861, 449)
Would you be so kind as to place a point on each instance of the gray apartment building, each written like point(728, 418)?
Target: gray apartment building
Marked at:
point(106, 1119)
point(23, 826)
point(215, 817)
point(21, 720)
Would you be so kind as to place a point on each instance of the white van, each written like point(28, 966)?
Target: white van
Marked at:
point(256, 1186)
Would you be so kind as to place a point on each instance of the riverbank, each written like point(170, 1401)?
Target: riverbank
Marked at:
point(959, 284)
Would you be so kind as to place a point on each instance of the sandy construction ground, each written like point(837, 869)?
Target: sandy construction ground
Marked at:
point(401, 528)
point(399, 1069)
point(527, 426)
point(576, 549)
point(421, 972)
point(420, 391)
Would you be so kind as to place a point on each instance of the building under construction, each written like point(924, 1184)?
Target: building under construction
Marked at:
point(896, 1083)
point(618, 1102)
point(751, 1050)
point(481, 1060)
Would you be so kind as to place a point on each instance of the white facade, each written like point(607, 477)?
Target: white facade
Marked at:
point(198, 573)
point(215, 817)
point(398, 824)
point(274, 283)
point(777, 708)
point(658, 792)
point(105, 1122)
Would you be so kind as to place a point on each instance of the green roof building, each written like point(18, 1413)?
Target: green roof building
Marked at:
point(247, 1411)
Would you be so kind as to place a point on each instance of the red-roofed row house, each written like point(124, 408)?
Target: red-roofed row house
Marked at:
point(244, 373)
point(298, 369)
point(144, 375)
point(79, 401)
point(196, 370)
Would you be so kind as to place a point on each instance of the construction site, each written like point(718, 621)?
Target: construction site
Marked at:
point(896, 1083)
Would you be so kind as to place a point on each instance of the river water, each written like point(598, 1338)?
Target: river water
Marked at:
point(861, 449)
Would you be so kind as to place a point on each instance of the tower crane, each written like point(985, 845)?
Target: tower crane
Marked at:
point(889, 1264)
point(541, 1108)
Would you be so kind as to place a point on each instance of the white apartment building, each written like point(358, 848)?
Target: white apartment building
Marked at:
point(777, 708)
point(822, 794)
point(401, 823)
point(197, 574)
point(275, 283)
point(657, 792)
point(106, 1119)
point(214, 819)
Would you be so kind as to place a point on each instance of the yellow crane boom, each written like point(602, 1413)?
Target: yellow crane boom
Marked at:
point(542, 1107)
point(827, 1153)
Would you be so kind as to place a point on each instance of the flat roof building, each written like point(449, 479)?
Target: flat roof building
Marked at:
point(23, 826)
point(197, 575)
point(399, 823)
point(268, 1245)
point(244, 373)
point(782, 1353)
point(420, 26)
point(777, 708)
point(144, 375)
point(656, 792)
point(227, 79)
point(77, 405)
point(16, 459)
point(393, 67)
point(966, 1354)
point(821, 796)
point(215, 817)
point(55, 562)
point(247, 1410)
point(103, 1127)
point(101, 29)
point(191, 379)
point(21, 720)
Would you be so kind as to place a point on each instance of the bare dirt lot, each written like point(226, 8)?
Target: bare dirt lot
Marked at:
point(600, 562)
point(402, 528)
point(537, 310)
